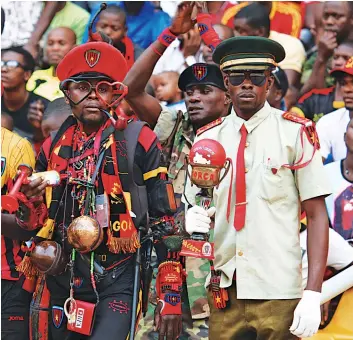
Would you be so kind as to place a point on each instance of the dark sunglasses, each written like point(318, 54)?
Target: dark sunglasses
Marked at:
point(237, 78)
point(11, 64)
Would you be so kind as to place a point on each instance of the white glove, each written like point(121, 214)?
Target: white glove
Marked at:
point(307, 315)
point(197, 219)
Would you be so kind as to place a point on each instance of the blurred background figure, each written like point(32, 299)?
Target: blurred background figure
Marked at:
point(112, 22)
point(278, 90)
point(44, 82)
point(55, 114)
point(144, 22)
point(167, 90)
point(72, 16)
point(286, 16)
point(24, 107)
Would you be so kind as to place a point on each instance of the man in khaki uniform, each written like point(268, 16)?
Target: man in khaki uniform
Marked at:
point(276, 170)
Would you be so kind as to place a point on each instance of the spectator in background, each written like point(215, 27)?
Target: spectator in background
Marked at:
point(224, 32)
point(144, 22)
point(56, 113)
point(340, 203)
point(285, 16)
point(25, 108)
point(318, 102)
point(331, 127)
point(45, 83)
point(278, 89)
point(167, 90)
point(253, 20)
point(71, 16)
point(112, 21)
point(336, 26)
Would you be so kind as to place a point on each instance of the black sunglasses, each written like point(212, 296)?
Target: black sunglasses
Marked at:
point(237, 78)
point(11, 64)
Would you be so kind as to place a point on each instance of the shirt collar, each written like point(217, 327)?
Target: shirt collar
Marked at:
point(254, 121)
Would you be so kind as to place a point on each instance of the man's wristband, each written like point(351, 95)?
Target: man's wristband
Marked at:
point(166, 37)
point(207, 32)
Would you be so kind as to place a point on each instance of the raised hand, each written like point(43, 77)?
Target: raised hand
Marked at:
point(183, 21)
point(35, 113)
point(326, 45)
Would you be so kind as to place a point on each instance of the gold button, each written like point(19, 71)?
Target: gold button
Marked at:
point(240, 253)
point(247, 144)
point(246, 170)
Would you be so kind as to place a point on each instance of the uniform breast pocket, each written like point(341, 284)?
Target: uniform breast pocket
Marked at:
point(272, 185)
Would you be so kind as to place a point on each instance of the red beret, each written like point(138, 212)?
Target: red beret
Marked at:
point(99, 57)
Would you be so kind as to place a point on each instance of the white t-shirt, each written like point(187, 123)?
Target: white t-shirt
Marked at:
point(331, 129)
point(173, 59)
point(340, 253)
point(340, 203)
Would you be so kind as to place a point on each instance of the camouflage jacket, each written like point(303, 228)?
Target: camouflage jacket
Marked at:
point(197, 269)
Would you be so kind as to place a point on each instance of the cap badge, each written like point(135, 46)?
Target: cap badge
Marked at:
point(200, 71)
point(92, 57)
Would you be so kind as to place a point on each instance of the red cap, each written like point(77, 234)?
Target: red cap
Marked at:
point(347, 68)
point(97, 57)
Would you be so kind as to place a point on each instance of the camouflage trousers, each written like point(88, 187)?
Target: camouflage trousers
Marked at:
point(197, 331)
point(192, 329)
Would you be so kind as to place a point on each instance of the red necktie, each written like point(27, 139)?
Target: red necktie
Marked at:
point(240, 184)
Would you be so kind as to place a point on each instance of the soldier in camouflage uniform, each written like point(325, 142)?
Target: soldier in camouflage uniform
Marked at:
point(206, 100)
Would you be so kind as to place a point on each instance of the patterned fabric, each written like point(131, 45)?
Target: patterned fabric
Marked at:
point(181, 147)
point(197, 269)
point(45, 84)
point(75, 144)
point(14, 151)
point(20, 20)
point(317, 103)
point(308, 68)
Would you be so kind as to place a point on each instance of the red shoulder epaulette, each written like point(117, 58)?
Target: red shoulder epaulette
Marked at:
point(208, 126)
point(308, 128)
point(296, 119)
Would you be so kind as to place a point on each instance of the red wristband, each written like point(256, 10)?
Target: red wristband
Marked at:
point(169, 286)
point(207, 32)
point(166, 37)
point(156, 51)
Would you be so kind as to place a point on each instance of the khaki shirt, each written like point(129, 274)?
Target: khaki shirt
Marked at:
point(266, 252)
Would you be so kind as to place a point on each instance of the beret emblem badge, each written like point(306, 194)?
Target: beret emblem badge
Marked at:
point(92, 57)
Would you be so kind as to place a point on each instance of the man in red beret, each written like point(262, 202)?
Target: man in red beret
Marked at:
point(92, 298)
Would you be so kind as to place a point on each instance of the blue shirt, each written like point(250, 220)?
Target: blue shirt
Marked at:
point(144, 28)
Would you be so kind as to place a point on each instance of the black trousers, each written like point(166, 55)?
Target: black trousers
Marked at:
point(112, 314)
point(15, 303)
